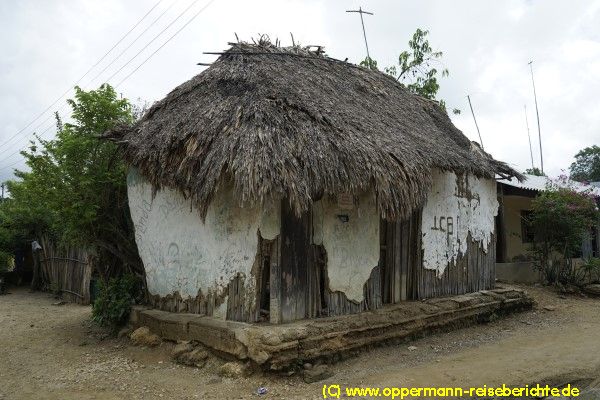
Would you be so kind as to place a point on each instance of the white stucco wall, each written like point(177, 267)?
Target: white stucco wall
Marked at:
point(182, 254)
point(352, 247)
point(449, 216)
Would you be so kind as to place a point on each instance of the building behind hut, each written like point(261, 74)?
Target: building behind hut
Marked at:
point(515, 238)
point(280, 184)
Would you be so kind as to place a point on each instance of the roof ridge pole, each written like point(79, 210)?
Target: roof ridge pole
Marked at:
point(537, 113)
point(361, 12)
point(529, 137)
point(474, 119)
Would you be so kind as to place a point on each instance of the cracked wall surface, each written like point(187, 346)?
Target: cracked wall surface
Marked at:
point(181, 253)
point(352, 247)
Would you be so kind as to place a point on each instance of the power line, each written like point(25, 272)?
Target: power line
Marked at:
point(34, 129)
point(83, 76)
point(167, 41)
point(128, 62)
point(133, 42)
point(148, 58)
point(19, 151)
point(88, 71)
point(109, 64)
point(153, 39)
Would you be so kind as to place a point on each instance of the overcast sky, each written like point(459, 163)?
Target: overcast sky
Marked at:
point(47, 45)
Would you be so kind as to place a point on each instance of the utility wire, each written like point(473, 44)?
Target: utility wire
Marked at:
point(34, 130)
point(143, 62)
point(153, 39)
point(105, 68)
point(130, 60)
point(109, 64)
point(133, 42)
point(83, 76)
point(41, 134)
point(167, 41)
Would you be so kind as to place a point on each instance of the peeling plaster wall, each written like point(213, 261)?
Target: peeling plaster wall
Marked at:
point(182, 254)
point(456, 207)
point(352, 247)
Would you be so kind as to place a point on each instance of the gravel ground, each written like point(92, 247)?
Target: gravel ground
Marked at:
point(55, 352)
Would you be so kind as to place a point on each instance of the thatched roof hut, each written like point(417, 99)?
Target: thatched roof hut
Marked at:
point(293, 123)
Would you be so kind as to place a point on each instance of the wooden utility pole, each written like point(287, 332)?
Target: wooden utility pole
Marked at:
point(537, 113)
point(474, 119)
point(361, 12)
point(2, 190)
point(529, 137)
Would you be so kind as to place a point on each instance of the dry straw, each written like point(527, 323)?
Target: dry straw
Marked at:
point(292, 123)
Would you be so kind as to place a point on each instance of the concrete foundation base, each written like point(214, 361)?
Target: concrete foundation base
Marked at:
point(518, 272)
point(281, 346)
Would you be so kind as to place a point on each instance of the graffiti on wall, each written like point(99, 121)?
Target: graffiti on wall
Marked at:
point(185, 255)
point(458, 209)
point(445, 225)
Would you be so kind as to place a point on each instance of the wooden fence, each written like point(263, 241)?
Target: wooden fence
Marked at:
point(67, 271)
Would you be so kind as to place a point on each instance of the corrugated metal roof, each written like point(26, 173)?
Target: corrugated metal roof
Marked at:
point(539, 183)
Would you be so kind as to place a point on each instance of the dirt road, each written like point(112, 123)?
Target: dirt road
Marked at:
point(54, 352)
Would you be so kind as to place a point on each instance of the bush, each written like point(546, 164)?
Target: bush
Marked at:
point(113, 304)
point(562, 219)
point(4, 260)
point(590, 270)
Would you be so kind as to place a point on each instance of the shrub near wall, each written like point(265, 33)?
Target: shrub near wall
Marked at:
point(562, 219)
point(115, 298)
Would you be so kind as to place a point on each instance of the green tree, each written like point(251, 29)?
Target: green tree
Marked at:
point(561, 219)
point(75, 190)
point(416, 68)
point(369, 63)
point(534, 171)
point(586, 167)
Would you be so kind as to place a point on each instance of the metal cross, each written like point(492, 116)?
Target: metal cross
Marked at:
point(361, 12)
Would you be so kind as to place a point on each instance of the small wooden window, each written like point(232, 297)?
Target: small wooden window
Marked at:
point(527, 234)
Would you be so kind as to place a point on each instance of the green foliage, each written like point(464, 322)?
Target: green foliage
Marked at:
point(75, 190)
point(561, 219)
point(416, 68)
point(369, 63)
point(113, 304)
point(590, 270)
point(4, 259)
point(586, 167)
point(534, 171)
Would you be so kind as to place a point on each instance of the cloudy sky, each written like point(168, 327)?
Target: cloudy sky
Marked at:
point(48, 45)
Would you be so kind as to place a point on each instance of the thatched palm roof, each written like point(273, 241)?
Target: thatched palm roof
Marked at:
point(291, 123)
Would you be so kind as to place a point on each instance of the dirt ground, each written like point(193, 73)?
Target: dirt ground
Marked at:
point(54, 352)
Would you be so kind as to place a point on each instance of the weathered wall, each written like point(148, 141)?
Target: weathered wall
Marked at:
point(515, 248)
point(182, 254)
point(519, 272)
point(456, 207)
point(352, 247)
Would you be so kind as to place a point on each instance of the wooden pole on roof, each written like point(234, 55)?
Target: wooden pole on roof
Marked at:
point(474, 119)
point(361, 12)
point(537, 113)
point(529, 137)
